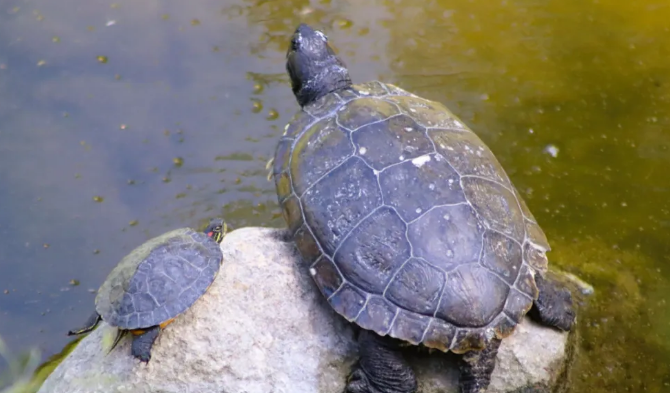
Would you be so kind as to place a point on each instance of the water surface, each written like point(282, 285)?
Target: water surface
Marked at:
point(120, 121)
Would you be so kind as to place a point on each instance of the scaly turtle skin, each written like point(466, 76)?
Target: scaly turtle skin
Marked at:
point(156, 282)
point(407, 222)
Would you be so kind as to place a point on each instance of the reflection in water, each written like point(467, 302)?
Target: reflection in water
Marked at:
point(571, 96)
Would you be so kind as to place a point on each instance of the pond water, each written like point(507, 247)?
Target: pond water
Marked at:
point(122, 120)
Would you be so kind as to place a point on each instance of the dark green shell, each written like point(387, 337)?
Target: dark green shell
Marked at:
point(159, 279)
point(408, 223)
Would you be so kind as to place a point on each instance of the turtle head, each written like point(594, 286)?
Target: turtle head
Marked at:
point(314, 68)
point(216, 229)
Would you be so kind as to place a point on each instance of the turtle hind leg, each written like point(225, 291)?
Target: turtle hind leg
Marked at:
point(142, 343)
point(553, 306)
point(477, 367)
point(381, 367)
point(91, 323)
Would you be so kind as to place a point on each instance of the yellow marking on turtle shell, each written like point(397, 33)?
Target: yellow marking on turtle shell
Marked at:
point(164, 324)
point(283, 186)
point(138, 332)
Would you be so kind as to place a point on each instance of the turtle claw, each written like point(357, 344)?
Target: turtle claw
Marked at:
point(143, 358)
point(381, 367)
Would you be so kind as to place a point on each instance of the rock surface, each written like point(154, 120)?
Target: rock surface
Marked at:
point(263, 327)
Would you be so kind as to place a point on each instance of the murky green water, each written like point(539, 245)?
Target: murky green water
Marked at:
point(572, 96)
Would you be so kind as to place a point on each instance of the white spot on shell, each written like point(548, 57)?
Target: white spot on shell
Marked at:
point(458, 123)
point(408, 129)
point(401, 158)
point(450, 253)
point(431, 186)
point(420, 161)
point(446, 217)
point(451, 181)
point(418, 210)
point(364, 92)
point(412, 110)
point(312, 271)
point(362, 151)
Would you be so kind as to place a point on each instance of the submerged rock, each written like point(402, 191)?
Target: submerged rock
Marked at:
point(263, 327)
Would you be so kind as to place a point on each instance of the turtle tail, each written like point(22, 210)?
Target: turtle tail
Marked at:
point(119, 335)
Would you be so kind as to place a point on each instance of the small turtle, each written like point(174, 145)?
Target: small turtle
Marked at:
point(407, 222)
point(156, 282)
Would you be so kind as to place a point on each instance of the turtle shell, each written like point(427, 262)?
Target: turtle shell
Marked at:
point(159, 279)
point(408, 223)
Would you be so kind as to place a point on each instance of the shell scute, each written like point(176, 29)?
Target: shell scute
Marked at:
point(377, 315)
point(336, 204)
point(423, 236)
point(374, 251)
point(415, 186)
point(382, 144)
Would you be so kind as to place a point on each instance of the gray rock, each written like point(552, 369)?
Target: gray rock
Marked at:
point(263, 327)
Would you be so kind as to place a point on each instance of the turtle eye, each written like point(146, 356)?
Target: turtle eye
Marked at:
point(295, 43)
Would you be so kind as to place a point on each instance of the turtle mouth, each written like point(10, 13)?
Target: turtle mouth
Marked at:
point(304, 37)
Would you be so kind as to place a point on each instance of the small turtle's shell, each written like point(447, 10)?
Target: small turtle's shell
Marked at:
point(159, 279)
point(408, 223)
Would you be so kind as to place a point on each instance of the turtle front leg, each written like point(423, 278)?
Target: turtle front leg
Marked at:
point(553, 306)
point(381, 367)
point(142, 343)
point(477, 367)
point(91, 323)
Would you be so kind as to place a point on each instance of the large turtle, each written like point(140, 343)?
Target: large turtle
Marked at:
point(156, 282)
point(407, 222)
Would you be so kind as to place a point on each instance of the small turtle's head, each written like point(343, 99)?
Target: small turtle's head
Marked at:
point(216, 229)
point(314, 68)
